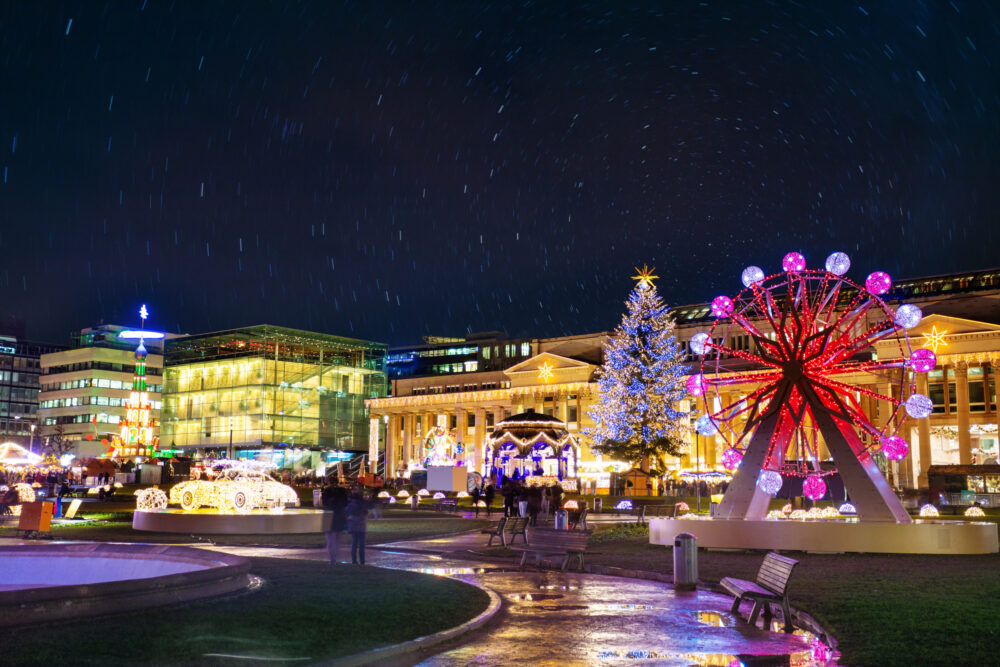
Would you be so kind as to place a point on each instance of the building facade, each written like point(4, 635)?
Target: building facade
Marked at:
point(85, 390)
point(270, 392)
point(20, 383)
point(558, 379)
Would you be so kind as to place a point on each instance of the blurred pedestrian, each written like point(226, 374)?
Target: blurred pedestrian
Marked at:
point(357, 525)
point(475, 499)
point(335, 500)
point(489, 494)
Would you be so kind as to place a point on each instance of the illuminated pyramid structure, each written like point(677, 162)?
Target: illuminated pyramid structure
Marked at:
point(136, 430)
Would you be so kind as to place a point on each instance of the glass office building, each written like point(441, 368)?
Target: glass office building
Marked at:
point(268, 388)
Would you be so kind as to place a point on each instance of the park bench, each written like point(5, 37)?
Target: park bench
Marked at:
point(578, 519)
point(446, 505)
point(547, 542)
point(507, 529)
point(649, 510)
point(770, 587)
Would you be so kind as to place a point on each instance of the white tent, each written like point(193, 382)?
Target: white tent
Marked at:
point(13, 454)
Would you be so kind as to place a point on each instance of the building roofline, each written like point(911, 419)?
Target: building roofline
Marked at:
point(302, 333)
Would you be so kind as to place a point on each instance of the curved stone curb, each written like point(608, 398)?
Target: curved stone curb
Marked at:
point(385, 653)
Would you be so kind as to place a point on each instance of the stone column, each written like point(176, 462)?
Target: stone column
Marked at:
point(562, 407)
point(408, 430)
point(462, 426)
point(962, 399)
point(478, 440)
point(923, 436)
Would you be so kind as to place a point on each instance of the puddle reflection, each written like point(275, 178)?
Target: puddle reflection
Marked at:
point(715, 618)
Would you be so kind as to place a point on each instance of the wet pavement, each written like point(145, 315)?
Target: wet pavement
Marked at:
point(573, 618)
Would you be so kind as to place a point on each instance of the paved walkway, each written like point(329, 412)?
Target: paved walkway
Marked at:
point(574, 618)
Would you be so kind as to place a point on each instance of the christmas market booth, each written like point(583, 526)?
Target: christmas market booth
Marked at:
point(534, 449)
point(637, 482)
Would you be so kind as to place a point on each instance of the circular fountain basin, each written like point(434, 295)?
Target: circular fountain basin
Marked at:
point(833, 536)
point(210, 522)
point(48, 582)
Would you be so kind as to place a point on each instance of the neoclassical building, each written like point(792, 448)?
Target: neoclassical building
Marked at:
point(556, 377)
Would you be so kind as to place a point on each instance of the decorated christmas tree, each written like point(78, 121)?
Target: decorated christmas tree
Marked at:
point(641, 382)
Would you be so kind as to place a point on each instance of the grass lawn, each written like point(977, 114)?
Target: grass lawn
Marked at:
point(397, 525)
point(882, 609)
point(305, 612)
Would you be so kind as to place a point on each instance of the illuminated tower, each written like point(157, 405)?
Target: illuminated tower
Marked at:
point(136, 429)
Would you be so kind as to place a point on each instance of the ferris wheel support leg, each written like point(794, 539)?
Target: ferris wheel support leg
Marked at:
point(744, 499)
point(868, 488)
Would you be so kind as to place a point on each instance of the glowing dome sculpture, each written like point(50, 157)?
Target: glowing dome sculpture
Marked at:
point(975, 511)
point(811, 332)
point(928, 511)
point(847, 509)
point(151, 499)
point(627, 505)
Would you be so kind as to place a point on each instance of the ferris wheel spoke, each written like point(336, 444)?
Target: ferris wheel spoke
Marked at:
point(831, 385)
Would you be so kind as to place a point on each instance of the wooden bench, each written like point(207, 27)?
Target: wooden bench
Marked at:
point(547, 542)
point(578, 519)
point(648, 510)
point(517, 526)
point(770, 587)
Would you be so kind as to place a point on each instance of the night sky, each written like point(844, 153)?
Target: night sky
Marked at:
point(390, 170)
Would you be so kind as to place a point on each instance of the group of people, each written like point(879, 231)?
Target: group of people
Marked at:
point(350, 513)
point(533, 499)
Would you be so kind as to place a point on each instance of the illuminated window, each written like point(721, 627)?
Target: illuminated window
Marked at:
point(525, 349)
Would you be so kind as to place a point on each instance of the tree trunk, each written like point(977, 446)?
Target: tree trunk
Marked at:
point(644, 464)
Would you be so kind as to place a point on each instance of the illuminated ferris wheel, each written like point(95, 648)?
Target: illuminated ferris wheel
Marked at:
point(784, 372)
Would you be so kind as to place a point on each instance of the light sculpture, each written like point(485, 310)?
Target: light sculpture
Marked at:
point(878, 283)
point(895, 448)
point(847, 509)
point(813, 487)
point(383, 494)
point(150, 499)
point(923, 360)
point(975, 511)
point(571, 505)
point(794, 389)
point(624, 505)
point(731, 458)
point(695, 384)
point(136, 430)
point(462, 494)
point(423, 492)
point(830, 513)
point(706, 426)
point(239, 489)
point(838, 263)
point(403, 493)
point(928, 511)
point(721, 306)
point(438, 496)
point(752, 275)
point(769, 481)
point(908, 316)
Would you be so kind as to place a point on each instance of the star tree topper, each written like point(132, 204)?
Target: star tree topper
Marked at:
point(645, 276)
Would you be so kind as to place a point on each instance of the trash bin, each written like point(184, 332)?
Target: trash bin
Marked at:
point(317, 498)
point(712, 507)
point(562, 520)
point(685, 562)
point(598, 504)
point(414, 501)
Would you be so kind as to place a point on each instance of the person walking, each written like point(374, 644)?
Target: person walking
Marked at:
point(489, 494)
point(357, 525)
point(335, 500)
point(475, 499)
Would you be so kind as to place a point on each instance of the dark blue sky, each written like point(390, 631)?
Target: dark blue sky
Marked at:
point(388, 170)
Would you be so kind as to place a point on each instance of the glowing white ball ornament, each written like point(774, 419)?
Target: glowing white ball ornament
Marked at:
point(919, 406)
point(838, 263)
point(793, 262)
point(752, 275)
point(769, 481)
point(699, 343)
point(696, 384)
point(878, 283)
point(923, 360)
point(706, 426)
point(908, 316)
point(895, 448)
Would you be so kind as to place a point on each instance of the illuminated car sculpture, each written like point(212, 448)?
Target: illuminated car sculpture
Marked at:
point(234, 490)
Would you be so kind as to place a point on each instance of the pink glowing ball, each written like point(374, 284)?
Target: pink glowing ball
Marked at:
point(696, 384)
point(923, 360)
point(878, 283)
point(722, 306)
point(895, 448)
point(814, 487)
point(731, 459)
point(793, 261)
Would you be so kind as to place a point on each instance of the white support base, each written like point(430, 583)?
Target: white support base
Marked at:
point(208, 522)
point(919, 537)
